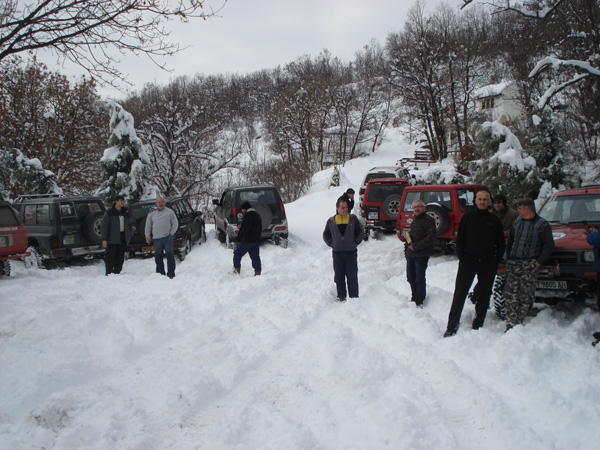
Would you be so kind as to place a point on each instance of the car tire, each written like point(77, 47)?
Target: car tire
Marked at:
point(35, 259)
point(186, 247)
point(391, 205)
point(498, 297)
point(266, 216)
point(92, 227)
point(5, 268)
point(440, 216)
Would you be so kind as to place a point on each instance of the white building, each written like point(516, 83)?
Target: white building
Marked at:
point(501, 101)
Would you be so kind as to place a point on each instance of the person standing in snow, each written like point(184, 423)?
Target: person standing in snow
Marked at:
point(419, 246)
point(249, 236)
point(161, 225)
point(116, 233)
point(593, 239)
point(480, 246)
point(530, 244)
point(343, 233)
point(506, 215)
point(348, 197)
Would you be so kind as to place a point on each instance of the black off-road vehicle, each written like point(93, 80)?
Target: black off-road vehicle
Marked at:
point(267, 203)
point(61, 228)
point(191, 226)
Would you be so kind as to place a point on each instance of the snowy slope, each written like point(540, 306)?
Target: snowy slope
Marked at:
point(213, 361)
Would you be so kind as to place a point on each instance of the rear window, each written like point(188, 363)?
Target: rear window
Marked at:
point(378, 192)
point(137, 212)
point(375, 176)
point(258, 195)
point(7, 217)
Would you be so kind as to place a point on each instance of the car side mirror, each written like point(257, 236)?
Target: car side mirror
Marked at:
point(361, 191)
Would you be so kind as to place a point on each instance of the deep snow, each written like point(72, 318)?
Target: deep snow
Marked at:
point(214, 361)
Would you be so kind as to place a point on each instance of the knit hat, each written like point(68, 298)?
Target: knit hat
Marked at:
point(246, 205)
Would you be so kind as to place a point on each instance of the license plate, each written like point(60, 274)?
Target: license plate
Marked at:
point(148, 248)
point(3, 241)
point(551, 284)
point(69, 239)
point(373, 215)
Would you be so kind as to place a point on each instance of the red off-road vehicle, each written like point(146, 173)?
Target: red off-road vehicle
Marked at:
point(381, 203)
point(446, 203)
point(13, 238)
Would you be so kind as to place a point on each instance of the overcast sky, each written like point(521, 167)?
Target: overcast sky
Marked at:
point(251, 35)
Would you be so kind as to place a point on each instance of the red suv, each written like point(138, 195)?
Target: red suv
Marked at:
point(381, 202)
point(446, 203)
point(13, 237)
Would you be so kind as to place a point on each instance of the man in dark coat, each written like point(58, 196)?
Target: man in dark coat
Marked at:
point(530, 244)
point(343, 233)
point(249, 236)
point(506, 215)
point(480, 245)
point(419, 246)
point(348, 197)
point(116, 233)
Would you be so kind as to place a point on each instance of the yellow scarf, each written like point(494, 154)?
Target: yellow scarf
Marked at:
point(342, 220)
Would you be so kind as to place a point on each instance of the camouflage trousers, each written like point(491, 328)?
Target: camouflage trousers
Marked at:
point(519, 288)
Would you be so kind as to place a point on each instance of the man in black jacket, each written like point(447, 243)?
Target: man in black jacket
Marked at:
point(348, 197)
point(419, 246)
point(479, 246)
point(249, 236)
point(116, 233)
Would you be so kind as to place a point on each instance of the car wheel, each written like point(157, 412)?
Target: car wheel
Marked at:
point(5, 268)
point(185, 248)
point(265, 214)
point(391, 205)
point(35, 259)
point(92, 228)
point(440, 216)
point(498, 297)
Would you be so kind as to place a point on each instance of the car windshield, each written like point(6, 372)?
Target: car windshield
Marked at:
point(7, 218)
point(572, 209)
point(378, 193)
point(137, 212)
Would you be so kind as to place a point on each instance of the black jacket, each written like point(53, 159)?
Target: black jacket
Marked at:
point(349, 201)
point(251, 227)
point(423, 235)
point(480, 237)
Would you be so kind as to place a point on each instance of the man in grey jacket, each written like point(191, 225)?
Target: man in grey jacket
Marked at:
point(343, 232)
point(161, 225)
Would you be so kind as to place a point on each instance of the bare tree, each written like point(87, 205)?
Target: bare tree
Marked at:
point(84, 31)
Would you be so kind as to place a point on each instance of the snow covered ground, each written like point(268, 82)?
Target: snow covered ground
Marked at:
point(214, 361)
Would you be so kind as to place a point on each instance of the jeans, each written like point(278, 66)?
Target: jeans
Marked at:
point(164, 246)
point(253, 249)
point(415, 274)
point(345, 267)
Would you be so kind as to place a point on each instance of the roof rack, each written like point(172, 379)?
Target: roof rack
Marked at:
point(20, 198)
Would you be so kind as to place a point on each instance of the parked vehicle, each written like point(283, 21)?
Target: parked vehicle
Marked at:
point(569, 273)
point(191, 227)
point(13, 238)
point(267, 203)
point(381, 172)
point(61, 228)
point(446, 203)
point(381, 203)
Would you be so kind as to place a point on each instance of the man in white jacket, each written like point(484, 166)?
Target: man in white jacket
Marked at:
point(161, 225)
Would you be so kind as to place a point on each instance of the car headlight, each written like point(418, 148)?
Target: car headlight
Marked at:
point(588, 256)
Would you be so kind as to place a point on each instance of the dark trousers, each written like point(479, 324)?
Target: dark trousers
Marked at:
point(345, 268)
point(164, 247)
point(467, 269)
point(115, 256)
point(253, 249)
point(415, 274)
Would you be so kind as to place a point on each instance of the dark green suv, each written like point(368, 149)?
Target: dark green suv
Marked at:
point(61, 228)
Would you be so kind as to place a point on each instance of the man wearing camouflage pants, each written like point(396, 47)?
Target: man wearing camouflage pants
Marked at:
point(529, 245)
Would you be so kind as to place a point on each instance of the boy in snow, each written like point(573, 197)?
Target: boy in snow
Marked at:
point(249, 235)
point(116, 233)
point(343, 233)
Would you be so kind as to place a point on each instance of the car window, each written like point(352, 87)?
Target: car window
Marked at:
point(466, 199)
point(442, 198)
point(575, 208)
point(410, 198)
point(138, 212)
point(188, 208)
point(36, 215)
point(375, 176)
point(258, 195)
point(227, 199)
point(379, 192)
point(7, 217)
